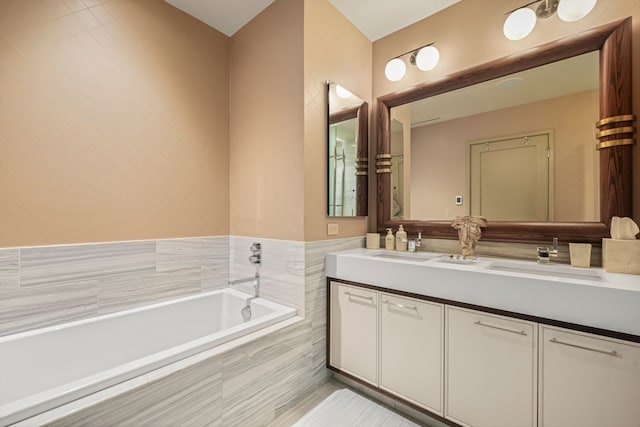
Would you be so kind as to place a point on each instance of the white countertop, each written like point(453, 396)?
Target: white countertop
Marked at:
point(584, 296)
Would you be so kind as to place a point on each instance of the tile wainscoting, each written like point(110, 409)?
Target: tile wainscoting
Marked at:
point(247, 385)
point(47, 285)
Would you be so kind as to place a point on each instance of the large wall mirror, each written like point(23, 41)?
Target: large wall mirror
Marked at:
point(513, 141)
point(347, 154)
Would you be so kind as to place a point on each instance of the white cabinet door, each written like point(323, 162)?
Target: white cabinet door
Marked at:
point(354, 331)
point(411, 350)
point(491, 369)
point(586, 380)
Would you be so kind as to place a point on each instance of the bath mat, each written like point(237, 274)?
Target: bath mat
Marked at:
point(344, 408)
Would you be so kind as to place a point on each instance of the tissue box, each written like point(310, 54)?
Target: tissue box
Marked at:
point(621, 256)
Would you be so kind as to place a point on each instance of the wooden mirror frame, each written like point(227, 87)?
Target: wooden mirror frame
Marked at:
point(614, 43)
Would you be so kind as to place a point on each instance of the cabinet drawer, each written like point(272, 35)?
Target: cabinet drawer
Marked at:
point(411, 350)
point(354, 331)
point(491, 369)
point(587, 380)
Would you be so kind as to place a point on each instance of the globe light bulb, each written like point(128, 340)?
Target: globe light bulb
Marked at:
point(519, 24)
point(427, 58)
point(573, 10)
point(395, 69)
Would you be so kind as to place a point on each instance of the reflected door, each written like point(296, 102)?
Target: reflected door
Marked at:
point(510, 178)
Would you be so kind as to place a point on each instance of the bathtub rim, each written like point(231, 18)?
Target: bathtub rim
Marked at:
point(105, 316)
point(28, 407)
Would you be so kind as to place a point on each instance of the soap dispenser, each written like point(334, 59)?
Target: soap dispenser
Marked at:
point(389, 240)
point(401, 239)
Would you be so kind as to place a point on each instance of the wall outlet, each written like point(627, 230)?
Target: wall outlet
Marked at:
point(458, 200)
point(332, 229)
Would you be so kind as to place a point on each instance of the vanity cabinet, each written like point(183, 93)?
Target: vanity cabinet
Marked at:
point(354, 331)
point(472, 367)
point(588, 380)
point(491, 369)
point(411, 350)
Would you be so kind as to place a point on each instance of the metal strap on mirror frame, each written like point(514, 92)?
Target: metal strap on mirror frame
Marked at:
point(383, 163)
point(620, 126)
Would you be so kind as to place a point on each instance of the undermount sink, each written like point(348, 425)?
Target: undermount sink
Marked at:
point(404, 257)
point(458, 259)
point(549, 271)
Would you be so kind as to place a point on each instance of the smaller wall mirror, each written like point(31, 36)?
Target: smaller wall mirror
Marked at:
point(347, 153)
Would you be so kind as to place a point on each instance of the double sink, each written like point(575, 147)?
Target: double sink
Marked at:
point(586, 296)
point(547, 270)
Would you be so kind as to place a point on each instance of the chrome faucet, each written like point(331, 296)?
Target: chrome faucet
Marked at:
point(256, 259)
point(545, 253)
point(414, 244)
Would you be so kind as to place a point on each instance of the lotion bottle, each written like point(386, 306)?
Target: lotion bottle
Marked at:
point(389, 240)
point(401, 239)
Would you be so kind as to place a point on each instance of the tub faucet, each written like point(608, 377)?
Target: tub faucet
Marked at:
point(256, 259)
point(545, 253)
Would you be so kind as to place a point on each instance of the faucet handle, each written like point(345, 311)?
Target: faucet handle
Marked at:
point(543, 254)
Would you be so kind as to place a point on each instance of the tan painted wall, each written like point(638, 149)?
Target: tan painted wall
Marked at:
point(470, 33)
point(113, 123)
point(267, 121)
point(333, 50)
point(442, 150)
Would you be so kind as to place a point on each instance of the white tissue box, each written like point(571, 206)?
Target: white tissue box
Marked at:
point(621, 256)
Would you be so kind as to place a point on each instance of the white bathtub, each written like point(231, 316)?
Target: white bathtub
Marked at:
point(49, 367)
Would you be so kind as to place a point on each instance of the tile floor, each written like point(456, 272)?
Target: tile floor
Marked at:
point(307, 403)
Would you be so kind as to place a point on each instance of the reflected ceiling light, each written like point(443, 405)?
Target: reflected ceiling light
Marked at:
point(425, 58)
point(522, 20)
point(395, 69)
point(342, 92)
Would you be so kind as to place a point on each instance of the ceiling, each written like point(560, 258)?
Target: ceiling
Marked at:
point(374, 18)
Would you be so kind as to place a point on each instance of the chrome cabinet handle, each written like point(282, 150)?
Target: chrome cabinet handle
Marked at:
point(610, 353)
point(359, 296)
point(487, 325)
point(408, 307)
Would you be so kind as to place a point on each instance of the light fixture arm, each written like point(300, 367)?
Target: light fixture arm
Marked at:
point(520, 7)
point(547, 8)
point(413, 51)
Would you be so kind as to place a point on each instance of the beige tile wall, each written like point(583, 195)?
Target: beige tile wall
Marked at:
point(113, 122)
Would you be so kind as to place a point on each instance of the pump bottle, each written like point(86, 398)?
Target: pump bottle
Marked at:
point(389, 240)
point(401, 239)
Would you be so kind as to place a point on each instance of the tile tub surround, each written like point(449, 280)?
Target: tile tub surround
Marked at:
point(246, 385)
point(46, 285)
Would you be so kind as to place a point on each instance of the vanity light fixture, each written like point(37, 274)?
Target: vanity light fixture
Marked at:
point(425, 58)
point(522, 20)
